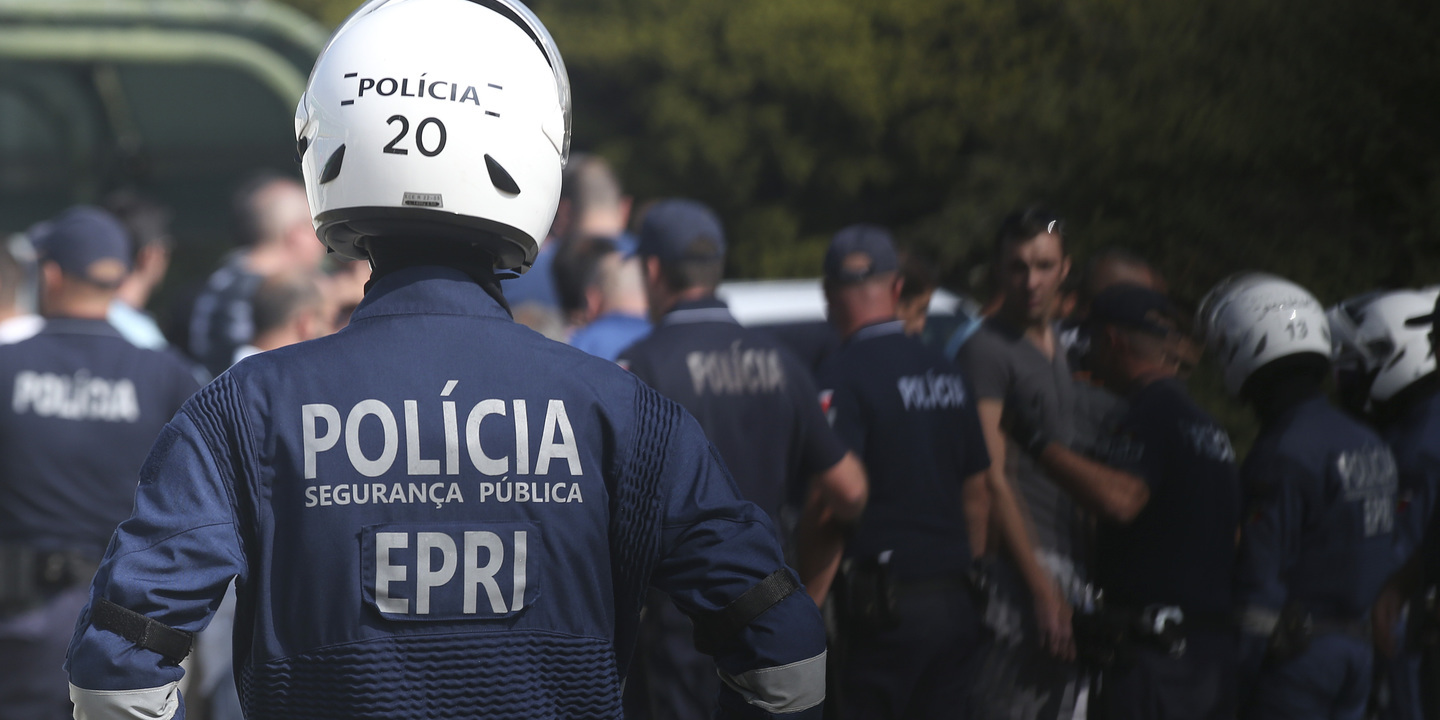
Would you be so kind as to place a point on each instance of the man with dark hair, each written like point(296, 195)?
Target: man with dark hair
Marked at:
point(615, 310)
point(760, 409)
point(79, 408)
point(1162, 636)
point(277, 235)
point(148, 224)
point(288, 308)
point(907, 625)
point(576, 273)
point(1014, 362)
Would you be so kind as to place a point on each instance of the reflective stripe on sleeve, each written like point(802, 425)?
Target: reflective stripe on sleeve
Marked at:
point(159, 703)
point(785, 689)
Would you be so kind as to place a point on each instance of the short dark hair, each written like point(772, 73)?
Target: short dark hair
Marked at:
point(918, 273)
point(145, 219)
point(280, 297)
point(576, 268)
point(1022, 225)
point(701, 266)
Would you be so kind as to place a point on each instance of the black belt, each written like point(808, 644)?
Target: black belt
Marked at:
point(28, 577)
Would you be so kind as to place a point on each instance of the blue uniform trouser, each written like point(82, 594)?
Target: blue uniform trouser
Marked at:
point(669, 679)
point(923, 668)
point(33, 685)
point(1399, 693)
point(1330, 680)
point(1154, 685)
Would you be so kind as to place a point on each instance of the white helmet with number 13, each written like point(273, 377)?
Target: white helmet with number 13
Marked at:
point(1252, 319)
point(437, 119)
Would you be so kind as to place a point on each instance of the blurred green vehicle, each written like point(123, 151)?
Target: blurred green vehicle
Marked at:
point(178, 99)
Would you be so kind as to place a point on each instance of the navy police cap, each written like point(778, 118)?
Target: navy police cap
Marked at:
point(87, 243)
point(859, 252)
point(677, 230)
point(1134, 306)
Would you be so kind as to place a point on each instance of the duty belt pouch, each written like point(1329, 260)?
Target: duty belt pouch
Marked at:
point(1292, 634)
point(19, 579)
point(866, 598)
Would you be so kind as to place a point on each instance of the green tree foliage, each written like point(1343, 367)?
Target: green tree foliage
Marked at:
point(1210, 136)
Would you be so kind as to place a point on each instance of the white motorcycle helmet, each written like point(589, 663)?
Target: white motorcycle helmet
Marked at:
point(445, 119)
point(1252, 319)
point(1387, 339)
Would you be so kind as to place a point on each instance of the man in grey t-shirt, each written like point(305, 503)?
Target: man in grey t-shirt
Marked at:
point(1015, 364)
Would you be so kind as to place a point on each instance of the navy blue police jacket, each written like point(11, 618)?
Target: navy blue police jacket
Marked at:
point(80, 407)
point(1321, 519)
point(756, 402)
point(1415, 439)
point(905, 411)
point(1180, 549)
point(437, 513)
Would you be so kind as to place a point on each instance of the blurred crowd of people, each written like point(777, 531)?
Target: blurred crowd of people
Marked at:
point(1023, 517)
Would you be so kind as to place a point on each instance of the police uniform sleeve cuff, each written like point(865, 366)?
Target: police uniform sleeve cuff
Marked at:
point(158, 703)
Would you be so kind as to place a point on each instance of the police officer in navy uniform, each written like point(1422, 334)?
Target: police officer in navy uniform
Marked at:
point(758, 406)
point(436, 512)
point(908, 623)
point(1385, 368)
point(1317, 542)
point(1165, 535)
point(79, 408)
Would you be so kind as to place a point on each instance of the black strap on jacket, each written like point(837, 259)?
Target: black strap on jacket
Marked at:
point(143, 631)
point(712, 629)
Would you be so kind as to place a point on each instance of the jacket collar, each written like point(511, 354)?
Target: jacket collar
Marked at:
point(428, 290)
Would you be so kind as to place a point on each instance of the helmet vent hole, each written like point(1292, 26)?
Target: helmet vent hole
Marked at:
point(1261, 347)
point(332, 166)
point(301, 146)
point(1395, 360)
point(499, 178)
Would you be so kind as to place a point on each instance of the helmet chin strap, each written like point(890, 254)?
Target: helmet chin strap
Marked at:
point(478, 265)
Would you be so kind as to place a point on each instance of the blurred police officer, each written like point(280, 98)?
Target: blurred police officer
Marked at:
point(1385, 370)
point(79, 408)
point(908, 623)
point(1015, 363)
point(617, 307)
point(756, 404)
point(288, 308)
point(1317, 543)
point(276, 236)
point(437, 513)
point(1165, 545)
point(603, 295)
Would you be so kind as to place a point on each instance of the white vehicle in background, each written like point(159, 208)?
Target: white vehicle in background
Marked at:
point(794, 312)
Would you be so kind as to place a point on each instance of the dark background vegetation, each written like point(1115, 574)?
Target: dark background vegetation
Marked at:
point(1210, 136)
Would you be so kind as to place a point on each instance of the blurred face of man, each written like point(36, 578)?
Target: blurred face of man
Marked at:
point(1032, 271)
